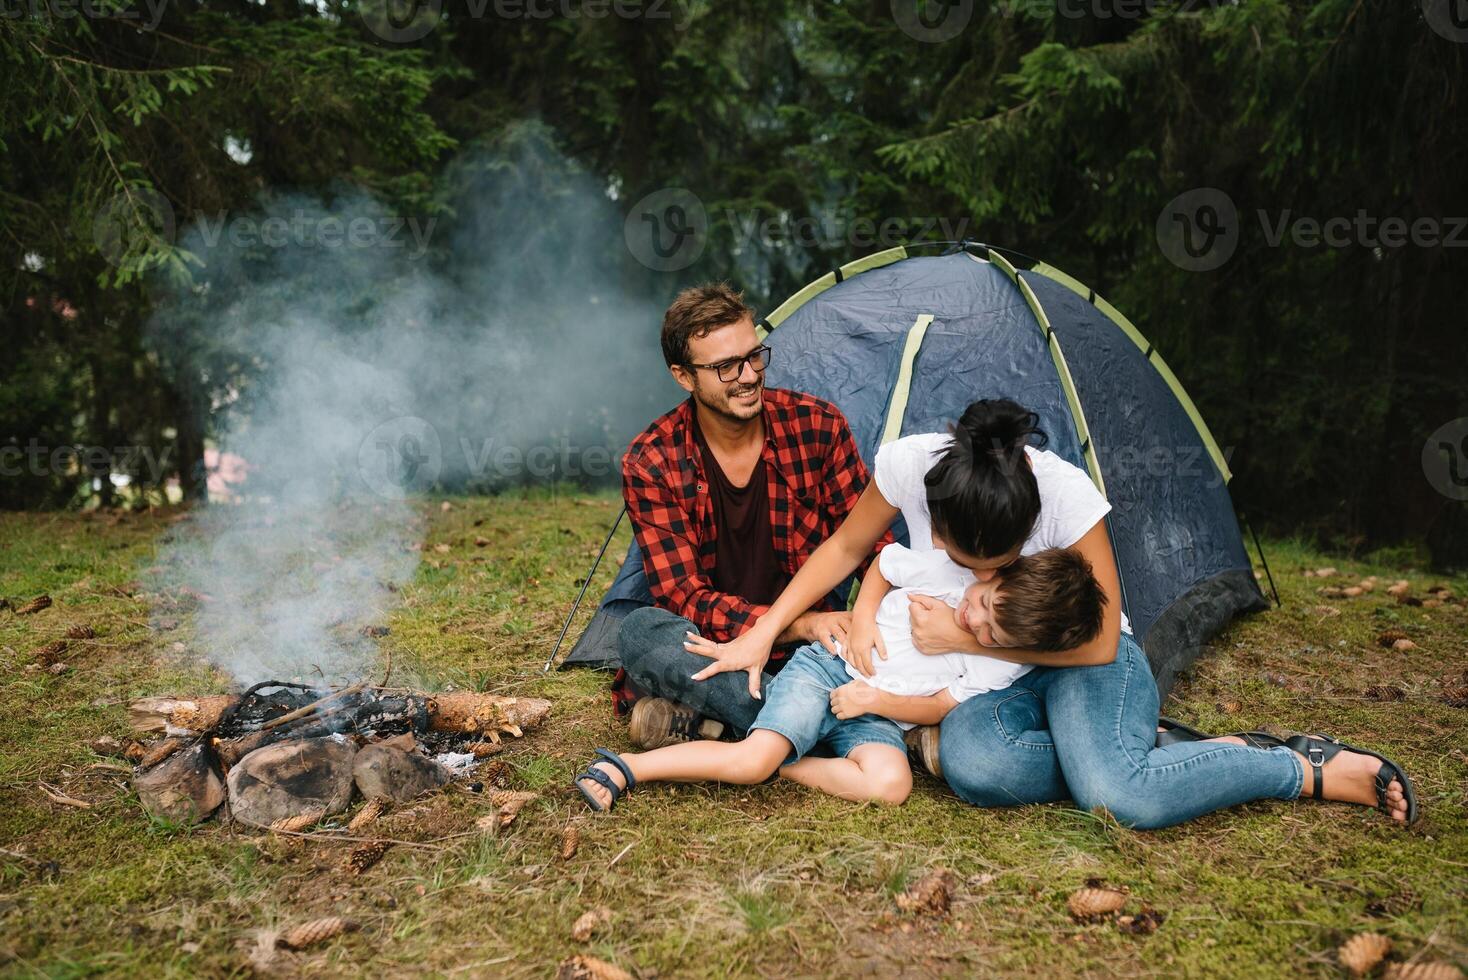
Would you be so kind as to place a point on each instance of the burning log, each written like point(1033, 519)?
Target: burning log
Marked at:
point(462, 712)
point(282, 752)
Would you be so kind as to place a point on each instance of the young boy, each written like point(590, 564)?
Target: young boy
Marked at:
point(1046, 601)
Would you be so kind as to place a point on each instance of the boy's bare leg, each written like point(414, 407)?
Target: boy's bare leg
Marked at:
point(751, 761)
point(871, 772)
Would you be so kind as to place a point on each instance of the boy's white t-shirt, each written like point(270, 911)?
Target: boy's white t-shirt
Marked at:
point(1070, 504)
point(907, 671)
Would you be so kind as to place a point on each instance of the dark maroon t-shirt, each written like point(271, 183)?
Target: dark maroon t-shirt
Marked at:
point(745, 563)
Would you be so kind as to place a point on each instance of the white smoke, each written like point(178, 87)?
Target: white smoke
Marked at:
point(507, 339)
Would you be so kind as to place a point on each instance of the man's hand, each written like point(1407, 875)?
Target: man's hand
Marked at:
point(825, 628)
point(854, 699)
point(934, 629)
point(864, 638)
point(747, 652)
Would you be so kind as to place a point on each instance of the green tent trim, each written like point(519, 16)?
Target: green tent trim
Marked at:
point(1148, 351)
point(1077, 414)
point(874, 261)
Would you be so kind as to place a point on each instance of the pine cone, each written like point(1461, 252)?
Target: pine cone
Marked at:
point(1423, 971)
point(317, 931)
point(34, 606)
point(291, 825)
point(1455, 697)
point(581, 967)
point(365, 856)
point(930, 895)
point(502, 797)
point(1362, 952)
point(1398, 902)
point(590, 922)
point(1403, 645)
point(1384, 692)
point(496, 773)
point(509, 804)
point(81, 633)
point(570, 841)
point(369, 813)
point(49, 654)
point(1095, 902)
point(1389, 637)
point(483, 750)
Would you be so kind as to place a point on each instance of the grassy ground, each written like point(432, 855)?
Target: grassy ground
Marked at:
point(702, 880)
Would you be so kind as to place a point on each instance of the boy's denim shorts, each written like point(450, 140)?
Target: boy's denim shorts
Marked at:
point(798, 706)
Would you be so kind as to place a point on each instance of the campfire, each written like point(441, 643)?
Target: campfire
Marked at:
point(284, 755)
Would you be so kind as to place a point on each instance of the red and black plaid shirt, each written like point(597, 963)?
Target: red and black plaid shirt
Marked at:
point(815, 476)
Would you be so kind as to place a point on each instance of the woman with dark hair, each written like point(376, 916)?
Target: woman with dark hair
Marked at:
point(1082, 723)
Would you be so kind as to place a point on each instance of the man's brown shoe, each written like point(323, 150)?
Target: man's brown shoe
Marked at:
point(657, 722)
point(922, 748)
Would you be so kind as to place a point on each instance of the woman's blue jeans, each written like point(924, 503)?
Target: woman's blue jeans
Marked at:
point(1089, 733)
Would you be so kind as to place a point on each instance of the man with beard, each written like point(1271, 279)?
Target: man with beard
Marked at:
point(729, 494)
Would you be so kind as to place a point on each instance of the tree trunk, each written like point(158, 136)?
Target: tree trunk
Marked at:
point(193, 475)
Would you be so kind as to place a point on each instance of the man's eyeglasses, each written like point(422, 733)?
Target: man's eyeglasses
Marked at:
point(730, 370)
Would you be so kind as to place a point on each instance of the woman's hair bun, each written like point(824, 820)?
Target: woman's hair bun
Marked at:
point(982, 494)
point(998, 426)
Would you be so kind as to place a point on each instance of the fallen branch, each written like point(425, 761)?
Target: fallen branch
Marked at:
point(56, 796)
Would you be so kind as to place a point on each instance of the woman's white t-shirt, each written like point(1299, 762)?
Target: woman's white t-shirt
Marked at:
point(1070, 504)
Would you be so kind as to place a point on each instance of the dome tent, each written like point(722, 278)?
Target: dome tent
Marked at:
point(902, 344)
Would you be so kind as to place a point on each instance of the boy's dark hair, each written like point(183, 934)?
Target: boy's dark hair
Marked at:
point(696, 312)
point(1049, 601)
point(982, 494)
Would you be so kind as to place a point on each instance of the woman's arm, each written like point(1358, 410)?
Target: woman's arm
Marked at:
point(935, 631)
point(837, 557)
point(859, 698)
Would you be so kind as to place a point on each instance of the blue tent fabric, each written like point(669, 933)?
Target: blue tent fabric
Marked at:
point(1183, 566)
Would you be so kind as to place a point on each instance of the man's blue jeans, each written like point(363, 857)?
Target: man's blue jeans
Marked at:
point(653, 655)
point(1089, 733)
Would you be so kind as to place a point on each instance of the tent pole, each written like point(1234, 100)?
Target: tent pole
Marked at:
point(585, 583)
point(1262, 560)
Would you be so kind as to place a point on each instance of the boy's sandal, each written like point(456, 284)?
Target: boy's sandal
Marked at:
point(1320, 749)
point(600, 777)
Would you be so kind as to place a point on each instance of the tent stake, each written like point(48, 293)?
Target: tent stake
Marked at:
point(1262, 560)
point(582, 594)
